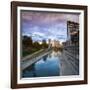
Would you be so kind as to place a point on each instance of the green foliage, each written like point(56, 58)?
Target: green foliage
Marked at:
point(27, 41)
point(29, 47)
point(44, 44)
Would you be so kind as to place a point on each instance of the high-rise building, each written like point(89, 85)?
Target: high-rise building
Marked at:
point(56, 44)
point(49, 43)
point(72, 32)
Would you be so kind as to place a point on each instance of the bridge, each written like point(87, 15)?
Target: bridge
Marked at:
point(30, 59)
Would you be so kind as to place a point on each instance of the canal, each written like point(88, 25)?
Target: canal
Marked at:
point(48, 65)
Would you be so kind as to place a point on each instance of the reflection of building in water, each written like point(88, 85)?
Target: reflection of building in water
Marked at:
point(56, 54)
point(45, 57)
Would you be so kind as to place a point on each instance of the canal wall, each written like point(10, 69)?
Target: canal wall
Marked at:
point(70, 63)
point(29, 60)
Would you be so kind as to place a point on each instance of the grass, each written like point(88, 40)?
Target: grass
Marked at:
point(28, 52)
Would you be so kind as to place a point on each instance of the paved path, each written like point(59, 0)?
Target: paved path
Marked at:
point(30, 60)
point(68, 64)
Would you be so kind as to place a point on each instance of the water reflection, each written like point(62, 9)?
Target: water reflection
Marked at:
point(56, 54)
point(45, 57)
point(48, 65)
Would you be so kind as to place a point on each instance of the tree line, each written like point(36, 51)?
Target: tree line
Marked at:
point(29, 46)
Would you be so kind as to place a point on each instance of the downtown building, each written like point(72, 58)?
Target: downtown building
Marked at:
point(71, 46)
point(55, 44)
point(72, 33)
point(72, 43)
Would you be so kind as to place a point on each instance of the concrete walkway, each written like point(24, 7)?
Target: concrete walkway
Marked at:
point(69, 65)
point(29, 60)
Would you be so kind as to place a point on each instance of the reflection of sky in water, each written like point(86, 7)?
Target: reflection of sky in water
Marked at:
point(47, 66)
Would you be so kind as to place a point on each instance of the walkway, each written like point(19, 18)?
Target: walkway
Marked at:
point(29, 60)
point(69, 64)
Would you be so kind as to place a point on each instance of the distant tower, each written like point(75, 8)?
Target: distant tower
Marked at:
point(49, 43)
point(56, 43)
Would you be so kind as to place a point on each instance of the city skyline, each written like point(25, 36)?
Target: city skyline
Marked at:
point(46, 25)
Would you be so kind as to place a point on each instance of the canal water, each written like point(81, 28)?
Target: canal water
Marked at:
point(48, 65)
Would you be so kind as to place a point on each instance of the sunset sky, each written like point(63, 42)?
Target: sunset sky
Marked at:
point(46, 25)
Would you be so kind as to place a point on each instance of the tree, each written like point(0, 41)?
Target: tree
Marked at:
point(36, 44)
point(44, 44)
point(27, 41)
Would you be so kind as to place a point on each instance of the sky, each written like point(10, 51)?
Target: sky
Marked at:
point(46, 25)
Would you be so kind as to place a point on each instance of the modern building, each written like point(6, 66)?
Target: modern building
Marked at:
point(49, 43)
point(53, 43)
point(72, 33)
point(56, 43)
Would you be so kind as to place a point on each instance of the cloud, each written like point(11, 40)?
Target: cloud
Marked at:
point(44, 25)
point(44, 17)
